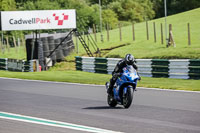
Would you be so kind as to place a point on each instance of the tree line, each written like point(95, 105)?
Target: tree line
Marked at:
point(112, 10)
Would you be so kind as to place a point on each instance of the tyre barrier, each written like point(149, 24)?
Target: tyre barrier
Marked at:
point(176, 68)
point(52, 47)
point(49, 42)
point(19, 65)
point(45, 46)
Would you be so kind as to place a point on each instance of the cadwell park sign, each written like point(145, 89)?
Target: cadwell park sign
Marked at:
point(37, 20)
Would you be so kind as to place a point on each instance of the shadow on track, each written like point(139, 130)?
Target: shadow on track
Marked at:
point(102, 107)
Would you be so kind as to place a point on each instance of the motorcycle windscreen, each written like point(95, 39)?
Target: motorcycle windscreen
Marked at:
point(130, 72)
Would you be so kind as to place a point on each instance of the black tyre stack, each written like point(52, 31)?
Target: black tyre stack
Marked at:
point(46, 45)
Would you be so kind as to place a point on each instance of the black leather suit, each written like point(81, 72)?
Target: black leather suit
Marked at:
point(118, 69)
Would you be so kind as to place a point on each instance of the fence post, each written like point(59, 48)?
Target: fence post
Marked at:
point(2, 46)
point(154, 27)
point(161, 27)
point(147, 29)
point(108, 36)
point(169, 41)
point(7, 44)
point(14, 41)
point(189, 41)
point(94, 31)
point(6, 63)
point(23, 44)
point(120, 32)
point(133, 29)
point(77, 47)
point(171, 38)
point(18, 42)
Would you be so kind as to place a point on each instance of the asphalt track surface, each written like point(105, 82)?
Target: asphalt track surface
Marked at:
point(152, 111)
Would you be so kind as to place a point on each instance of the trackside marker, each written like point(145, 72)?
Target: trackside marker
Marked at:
point(35, 120)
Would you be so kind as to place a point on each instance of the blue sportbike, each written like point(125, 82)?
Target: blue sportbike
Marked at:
point(124, 88)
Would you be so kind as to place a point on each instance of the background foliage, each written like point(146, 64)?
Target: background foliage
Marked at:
point(113, 11)
point(117, 10)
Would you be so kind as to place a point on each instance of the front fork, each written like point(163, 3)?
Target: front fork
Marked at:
point(125, 90)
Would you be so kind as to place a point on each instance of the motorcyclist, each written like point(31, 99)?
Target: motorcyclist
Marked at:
point(128, 60)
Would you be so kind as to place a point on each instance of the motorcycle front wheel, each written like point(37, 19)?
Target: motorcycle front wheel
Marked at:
point(111, 101)
point(128, 97)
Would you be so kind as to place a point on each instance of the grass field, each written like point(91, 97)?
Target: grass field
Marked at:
point(100, 79)
point(14, 53)
point(143, 48)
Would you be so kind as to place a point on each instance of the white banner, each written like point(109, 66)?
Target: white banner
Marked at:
point(36, 20)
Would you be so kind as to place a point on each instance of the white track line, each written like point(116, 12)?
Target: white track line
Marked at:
point(52, 123)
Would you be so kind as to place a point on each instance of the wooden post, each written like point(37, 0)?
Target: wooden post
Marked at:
point(23, 44)
point(108, 36)
point(77, 47)
point(147, 29)
point(154, 27)
point(18, 42)
point(94, 31)
point(189, 41)
point(2, 46)
point(7, 44)
point(120, 32)
point(161, 27)
point(171, 38)
point(88, 41)
point(169, 41)
point(133, 29)
point(14, 41)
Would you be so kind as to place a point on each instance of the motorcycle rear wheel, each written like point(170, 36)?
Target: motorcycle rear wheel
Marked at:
point(111, 101)
point(128, 97)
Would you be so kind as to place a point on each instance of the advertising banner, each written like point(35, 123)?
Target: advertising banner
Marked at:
point(38, 20)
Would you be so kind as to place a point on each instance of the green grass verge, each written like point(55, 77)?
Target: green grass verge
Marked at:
point(14, 53)
point(100, 79)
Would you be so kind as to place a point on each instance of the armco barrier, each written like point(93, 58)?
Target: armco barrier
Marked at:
point(181, 69)
point(19, 65)
point(3, 64)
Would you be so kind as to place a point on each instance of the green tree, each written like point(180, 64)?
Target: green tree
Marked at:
point(109, 17)
point(29, 5)
point(86, 15)
point(46, 5)
point(104, 3)
point(158, 8)
point(174, 6)
point(8, 5)
point(117, 8)
point(133, 10)
point(147, 5)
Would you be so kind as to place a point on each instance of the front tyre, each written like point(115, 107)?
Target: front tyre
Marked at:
point(128, 97)
point(111, 101)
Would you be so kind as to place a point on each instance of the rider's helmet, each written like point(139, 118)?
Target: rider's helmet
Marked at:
point(129, 59)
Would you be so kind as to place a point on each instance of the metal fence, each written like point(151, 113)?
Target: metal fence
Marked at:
point(19, 65)
point(181, 69)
